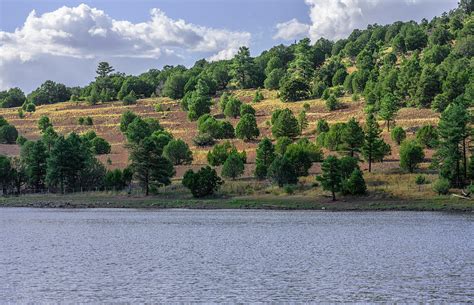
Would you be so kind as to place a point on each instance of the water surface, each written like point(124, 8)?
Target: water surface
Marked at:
point(236, 256)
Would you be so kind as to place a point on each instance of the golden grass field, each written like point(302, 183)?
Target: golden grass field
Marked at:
point(106, 117)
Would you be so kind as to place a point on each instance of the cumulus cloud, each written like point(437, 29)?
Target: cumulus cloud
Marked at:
point(87, 33)
point(335, 19)
point(291, 29)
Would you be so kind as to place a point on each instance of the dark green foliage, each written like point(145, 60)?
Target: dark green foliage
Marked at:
point(302, 121)
point(174, 86)
point(285, 124)
point(150, 168)
point(178, 152)
point(246, 109)
point(203, 139)
point(130, 98)
point(126, 119)
point(232, 107)
point(352, 137)
point(374, 148)
point(8, 134)
point(207, 124)
point(199, 103)
point(247, 128)
point(282, 144)
point(348, 165)
point(20, 140)
point(332, 103)
point(265, 156)
point(411, 154)
point(6, 173)
point(427, 136)
point(355, 185)
point(117, 179)
point(331, 178)
point(440, 102)
point(398, 134)
point(137, 130)
point(203, 183)
point(34, 157)
point(274, 78)
point(100, 146)
point(258, 97)
point(322, 126)
point(293, 89)
point(302, 155)
point(233, 166)
point(282, 171)
point(452, 130)
point(14, 97)
point(104, 69)
point(388, 109)
point(243, 68)
point(49, 93)
point(43, 123)
point(221, 152)
point(441, 186)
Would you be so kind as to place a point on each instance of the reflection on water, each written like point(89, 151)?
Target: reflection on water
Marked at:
point(234, 256)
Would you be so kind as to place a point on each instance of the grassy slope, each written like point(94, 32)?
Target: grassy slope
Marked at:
point(387, 183)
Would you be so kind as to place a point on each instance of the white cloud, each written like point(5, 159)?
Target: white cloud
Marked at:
point(87, 33)
point(335, 19)
point(291, 29)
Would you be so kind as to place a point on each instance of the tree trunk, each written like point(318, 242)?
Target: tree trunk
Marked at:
point(333, 196)
point(388, 125)
point(464, 157)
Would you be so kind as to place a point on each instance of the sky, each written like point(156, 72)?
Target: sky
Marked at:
point(64, 40)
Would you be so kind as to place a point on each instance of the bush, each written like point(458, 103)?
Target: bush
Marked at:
point(159, 107)
point(21, 114)
point(233, 166)
point(285, 124)
point(427, 136)
point(247, 128)
point(21, 140)
point(246, 109)
point(130, 99)
point(203, 183)
point(282, 144)
point(411, 154)
point(355, 185)
point(100, 146)
point(220, 152)
point(332, 103)
point(258, 97)
point(420, 180)
point(30, 107)
point(322, 126)
point(398, 135)
point(204, 139)
point(232, 107)
point(8, 134)
point(441, 186)
point(88, 121)
point(293, 89)
point(282, 171)
point(289, 189)
point(80, 121)
point(178, 152)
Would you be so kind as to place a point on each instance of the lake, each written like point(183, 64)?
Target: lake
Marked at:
point(105, 255)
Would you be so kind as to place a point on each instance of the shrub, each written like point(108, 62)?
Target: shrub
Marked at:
point(411, 154)
point(332, 103)
point(130, 99)
point(282, 144)
point(80, 120)
point(282, 171)
point(322, 126)
point(285, 124)
point(258, 97)
point(306, 107)
point(233, 166)
point(427, 136)
point(355, 185)
point(159, 107)
point(232, 107)
point(220, 152)
point(247, 128)
point(398, 134)
point(8, 134)
point(289, 189)
point(203, 183)
point(100, 146)
point(293, 89)
point(30, 107)
point(420, 180)
point(203, 139)
point(441, 186)
point(20, 140)
point(88, 121)
point(178, 152)
point(246, 109)
point(21, 114)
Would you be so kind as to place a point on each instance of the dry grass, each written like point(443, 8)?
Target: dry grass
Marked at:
point(106, 119)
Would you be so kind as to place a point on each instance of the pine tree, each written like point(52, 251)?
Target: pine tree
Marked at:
point(264, 158)
point(247, 128)
point(352, 137)
point(302, 121)
point(285, 125)
point(34, 156)
point(388, 109)
point(242, 68)
point(452, 130)
point(373, 146)
point(355, 185)
point(233, 167)
point(331, 178)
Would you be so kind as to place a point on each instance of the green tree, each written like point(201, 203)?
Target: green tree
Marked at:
point(203, 183)
point(302, 154)
point(428, 136)
point(302, 120)
point(282, 144)
point(264, 158)
point(104, 69)
point(398, 134)
point(246, 109)
point(137, 130)
point(285, 125)
point(322, 126)
point(331, 178)
point(374, 146)
point(232, 107)
point(178, 152)
point(8, 134)
point(355, 185)
point(247, 128)
point(411, 154)
point(282, 171)
point(6, 173)
point(174, 86)
point(388, 109)
point(100, 146)
point(452, 129)
point(125, 120)
point(352, 137)
point(130, 98)
point(242, 68)
point(149, 166)
point(293, 89)
point(332, 103)
point(200, 102)
point(44, 122)
point(34, 155)
point(233, 167)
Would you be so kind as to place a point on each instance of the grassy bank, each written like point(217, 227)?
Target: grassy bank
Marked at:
point(282, 202)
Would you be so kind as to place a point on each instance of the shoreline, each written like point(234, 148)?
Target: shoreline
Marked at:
point(91, 201)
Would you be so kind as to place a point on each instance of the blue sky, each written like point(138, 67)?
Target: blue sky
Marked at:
point(65, 44)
